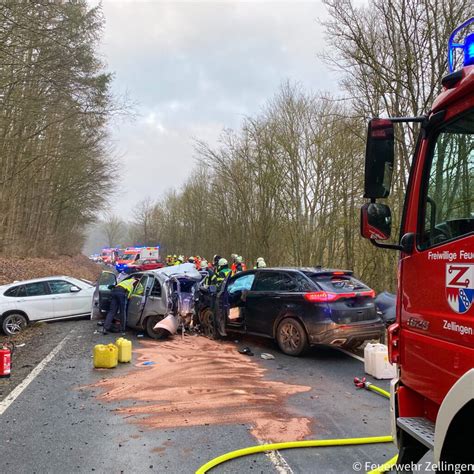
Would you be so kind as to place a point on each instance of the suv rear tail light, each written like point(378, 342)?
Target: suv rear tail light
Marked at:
point(328, 297)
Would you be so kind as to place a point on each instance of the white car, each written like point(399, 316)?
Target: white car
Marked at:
point(43, 299)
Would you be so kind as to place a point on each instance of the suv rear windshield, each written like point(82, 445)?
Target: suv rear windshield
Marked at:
point(338, 283)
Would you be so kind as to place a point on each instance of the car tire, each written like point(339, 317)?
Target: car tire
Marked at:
point(155, 333)
point(291, 337)
point(206, 319)
point(14, 323)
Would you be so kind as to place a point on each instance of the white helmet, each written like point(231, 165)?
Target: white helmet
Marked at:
point(234, 256)
point(260, 259)
point(239, 259)
point(203, 264)
point(222, 262)
point(261, 264)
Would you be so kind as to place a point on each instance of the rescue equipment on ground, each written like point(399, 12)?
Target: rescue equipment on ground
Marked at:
point(124, 349)
point(6, 351)
point(105, 356)
point(376, 362)
point(362, 383)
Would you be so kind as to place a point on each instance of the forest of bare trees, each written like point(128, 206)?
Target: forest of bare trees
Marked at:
point(288, 184)
point(55, 166)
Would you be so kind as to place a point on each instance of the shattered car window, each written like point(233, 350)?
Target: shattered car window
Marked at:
point(242, 283)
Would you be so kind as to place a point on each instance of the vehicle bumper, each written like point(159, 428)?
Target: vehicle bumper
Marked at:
point(344, 334)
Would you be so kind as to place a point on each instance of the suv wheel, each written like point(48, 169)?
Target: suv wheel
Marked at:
point(291, 337)
point(14, 323)
point(206, 319)
point(155, 333)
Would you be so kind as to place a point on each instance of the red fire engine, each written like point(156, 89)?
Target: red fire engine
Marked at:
point(432, 340)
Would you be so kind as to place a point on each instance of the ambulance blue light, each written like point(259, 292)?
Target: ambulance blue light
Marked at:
point(467, 46)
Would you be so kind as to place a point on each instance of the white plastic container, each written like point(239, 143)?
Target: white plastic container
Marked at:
point(376, 362)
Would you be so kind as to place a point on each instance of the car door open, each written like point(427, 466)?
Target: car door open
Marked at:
point(102, 294)
point(137, 301)
point(236, 292)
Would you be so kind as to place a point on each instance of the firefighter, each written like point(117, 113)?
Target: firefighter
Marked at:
point(191, 260)
point(215, 262)
point(118, 303)
point(239, 265)
point(260, 263)
point(179, 260)
point(222, 272)
point(233, 267)
point(206, 272)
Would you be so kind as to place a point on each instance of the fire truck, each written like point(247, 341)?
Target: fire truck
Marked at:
point(432, 340)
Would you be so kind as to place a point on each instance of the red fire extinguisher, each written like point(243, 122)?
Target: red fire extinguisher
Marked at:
point(6, 351)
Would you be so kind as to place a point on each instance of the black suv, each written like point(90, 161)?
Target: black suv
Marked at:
point(298, 307)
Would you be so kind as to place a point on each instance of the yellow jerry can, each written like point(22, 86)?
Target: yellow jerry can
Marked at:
point(105, 356)
point(124, 349)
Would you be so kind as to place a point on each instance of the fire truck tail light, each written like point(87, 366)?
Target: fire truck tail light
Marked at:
point(393, 333)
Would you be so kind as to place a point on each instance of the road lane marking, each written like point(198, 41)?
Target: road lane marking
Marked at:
point(361, 359)
point(17, 391)
point(278, 461)
point(281, 466)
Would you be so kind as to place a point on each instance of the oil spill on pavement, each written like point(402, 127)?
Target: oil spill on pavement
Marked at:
point(197, 381)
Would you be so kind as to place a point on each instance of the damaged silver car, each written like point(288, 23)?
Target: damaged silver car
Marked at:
point(161, 302)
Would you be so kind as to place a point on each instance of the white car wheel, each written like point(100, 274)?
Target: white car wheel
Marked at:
point(14, 323)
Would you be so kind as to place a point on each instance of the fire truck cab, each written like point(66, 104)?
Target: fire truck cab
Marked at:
point(432, 340)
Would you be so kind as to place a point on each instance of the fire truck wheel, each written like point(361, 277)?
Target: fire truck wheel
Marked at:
point(13, 323)
point(291, 337)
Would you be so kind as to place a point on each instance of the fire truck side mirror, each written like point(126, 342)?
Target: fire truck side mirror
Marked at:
point(379, 157)
point(375, 221)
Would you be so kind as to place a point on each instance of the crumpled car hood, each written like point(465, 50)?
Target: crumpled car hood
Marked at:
point(187, 270)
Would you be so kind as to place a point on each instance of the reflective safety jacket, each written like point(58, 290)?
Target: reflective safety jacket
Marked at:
point(127, 285)
point(209, 276)
point(221, 275)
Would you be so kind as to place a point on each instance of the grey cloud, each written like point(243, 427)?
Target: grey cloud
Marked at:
point(195, 68)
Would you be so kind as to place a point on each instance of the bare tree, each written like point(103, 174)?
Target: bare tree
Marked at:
point(114, 230)
point(55, 162)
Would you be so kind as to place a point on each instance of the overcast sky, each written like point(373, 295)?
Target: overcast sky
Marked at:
point(194, 68)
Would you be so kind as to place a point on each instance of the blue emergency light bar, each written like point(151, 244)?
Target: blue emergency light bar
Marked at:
point(467, 46)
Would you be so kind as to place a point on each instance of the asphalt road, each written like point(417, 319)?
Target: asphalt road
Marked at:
point(57, 424)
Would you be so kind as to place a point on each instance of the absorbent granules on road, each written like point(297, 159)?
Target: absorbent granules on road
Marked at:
point(197, 381)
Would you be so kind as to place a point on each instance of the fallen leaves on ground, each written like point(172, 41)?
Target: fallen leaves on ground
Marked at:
point(26, 268)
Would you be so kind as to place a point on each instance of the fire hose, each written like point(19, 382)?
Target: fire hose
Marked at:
point(317, 443)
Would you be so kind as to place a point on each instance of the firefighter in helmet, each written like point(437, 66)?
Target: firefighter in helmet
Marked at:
point(222, 272)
